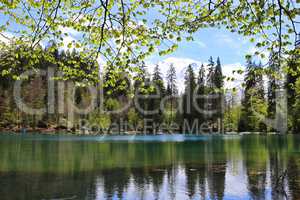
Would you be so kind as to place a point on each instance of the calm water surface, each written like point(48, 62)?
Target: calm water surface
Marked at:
point(149, 167)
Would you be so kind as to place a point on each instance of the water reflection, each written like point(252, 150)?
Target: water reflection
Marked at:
point(248, 167)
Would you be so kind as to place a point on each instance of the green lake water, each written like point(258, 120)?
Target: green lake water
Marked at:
point(149, 167)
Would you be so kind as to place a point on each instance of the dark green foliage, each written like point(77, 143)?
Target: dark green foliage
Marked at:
point(171, 91)
point(215, 91)
point(171, 81)
point(253, 102)
point(141, 87)
point(157, 94)
point(210, 75)
point(189, 114)
point(34, 91)
point(273, 85)
point(201, 95)
point(218, 101)
point(145, 98)
point(293, 93)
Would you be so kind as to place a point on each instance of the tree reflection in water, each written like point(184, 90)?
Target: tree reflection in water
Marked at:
point(244, 167)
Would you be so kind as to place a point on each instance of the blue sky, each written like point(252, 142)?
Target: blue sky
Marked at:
point(230, 47)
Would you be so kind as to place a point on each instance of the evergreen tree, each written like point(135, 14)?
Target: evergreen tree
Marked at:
point(218, 102)
point(249, 83)
point(295, 113)
point(218, 75)
point(141, 89)
point(158, 92)
point(273, 69)
point(253, 101)
point(158, 81)
point(260, 81)
point(201, 95)
point(188, 104)
point(210, 75)
point(171, 88)
point(293, 93)
point(210, 88)
point(292, 76)
point(171, 81)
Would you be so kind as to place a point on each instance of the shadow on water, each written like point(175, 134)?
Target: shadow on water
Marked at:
point(149, 167)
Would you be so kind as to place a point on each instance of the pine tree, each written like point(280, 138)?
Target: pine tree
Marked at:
point(171, 81)
point(209, 104)
point(272, 84)
point(218, 101)
point(141, 89)
point(218, 75)
point(158, 81)
point(249, 82)
point(292, 76)
point(158, 92)
point(210, 75)
point(253, 102)
point(293, 93)
point(201, 95)
point(171, 88)
point(295, 113)
point(188, 104)
point(260, 81)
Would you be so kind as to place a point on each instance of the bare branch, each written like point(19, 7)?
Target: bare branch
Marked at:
point(102, 27)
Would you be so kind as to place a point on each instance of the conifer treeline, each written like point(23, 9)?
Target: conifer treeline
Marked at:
point(268, 106)
point(148, 102)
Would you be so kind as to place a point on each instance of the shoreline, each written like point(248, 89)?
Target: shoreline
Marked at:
point(54, 131)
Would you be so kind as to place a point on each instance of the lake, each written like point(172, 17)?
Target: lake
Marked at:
point(149, 167)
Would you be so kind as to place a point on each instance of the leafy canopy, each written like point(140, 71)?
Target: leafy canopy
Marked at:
point(124, 32)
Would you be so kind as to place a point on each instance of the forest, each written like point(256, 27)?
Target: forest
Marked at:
point(141, 102)
point(73, 91)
